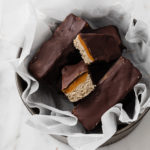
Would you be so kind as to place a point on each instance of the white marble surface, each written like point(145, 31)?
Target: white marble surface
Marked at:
point(16, 135)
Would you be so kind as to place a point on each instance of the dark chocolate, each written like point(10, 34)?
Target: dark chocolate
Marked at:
point(110, 30)
point(98, 69)
point(102, 47)
point(53, 53)
point(71, 72)
point(54, 77)
point(114, 86)
point(73, 58)
point(129, 103)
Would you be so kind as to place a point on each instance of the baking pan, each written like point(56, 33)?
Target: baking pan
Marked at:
point(122, 131)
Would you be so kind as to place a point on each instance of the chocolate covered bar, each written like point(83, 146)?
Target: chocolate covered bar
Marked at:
point(76, 81)
point(53, 53)
point(110, 30)
point(114, 86)
point(104, 44)
point(128, 103)
point(93, 47)
point(98, 69)
point(107, 30)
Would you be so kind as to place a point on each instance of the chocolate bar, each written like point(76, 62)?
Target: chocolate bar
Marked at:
point(114, 86)
point(54, 77)
point(76, 81)
point(110, 30)
point(97, 46)
point(53, 53)
point(129, 103)
point(98, 69)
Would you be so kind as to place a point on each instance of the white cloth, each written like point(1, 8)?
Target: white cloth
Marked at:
point(37, 24)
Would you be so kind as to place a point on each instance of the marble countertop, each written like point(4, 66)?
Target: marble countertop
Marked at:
point(16, 135)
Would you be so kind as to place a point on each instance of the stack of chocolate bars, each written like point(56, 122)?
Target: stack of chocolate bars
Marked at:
point(93, 72)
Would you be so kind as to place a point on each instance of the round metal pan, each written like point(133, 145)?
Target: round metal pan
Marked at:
point(121, 133)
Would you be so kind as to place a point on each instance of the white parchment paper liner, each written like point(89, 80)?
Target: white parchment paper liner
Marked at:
point(55, 112)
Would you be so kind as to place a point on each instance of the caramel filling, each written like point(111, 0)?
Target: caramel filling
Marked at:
point(85, 48)
point(75, 83)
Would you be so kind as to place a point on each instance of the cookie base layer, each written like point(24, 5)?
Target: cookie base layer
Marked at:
point(82, 51)
point(82, 90)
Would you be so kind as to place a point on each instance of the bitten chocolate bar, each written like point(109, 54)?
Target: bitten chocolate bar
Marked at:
point(114, 86)
point(53, 53)
point(76, 81)
point(100, 45)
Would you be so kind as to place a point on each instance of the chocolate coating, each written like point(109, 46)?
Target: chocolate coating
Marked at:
point(73, 58)
point(102, 47)
point(53, 53)
point(71, 72)
point(54, 76)
point(114, 86)
point(98, 69)
point(129, 103)
point(110, 30)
